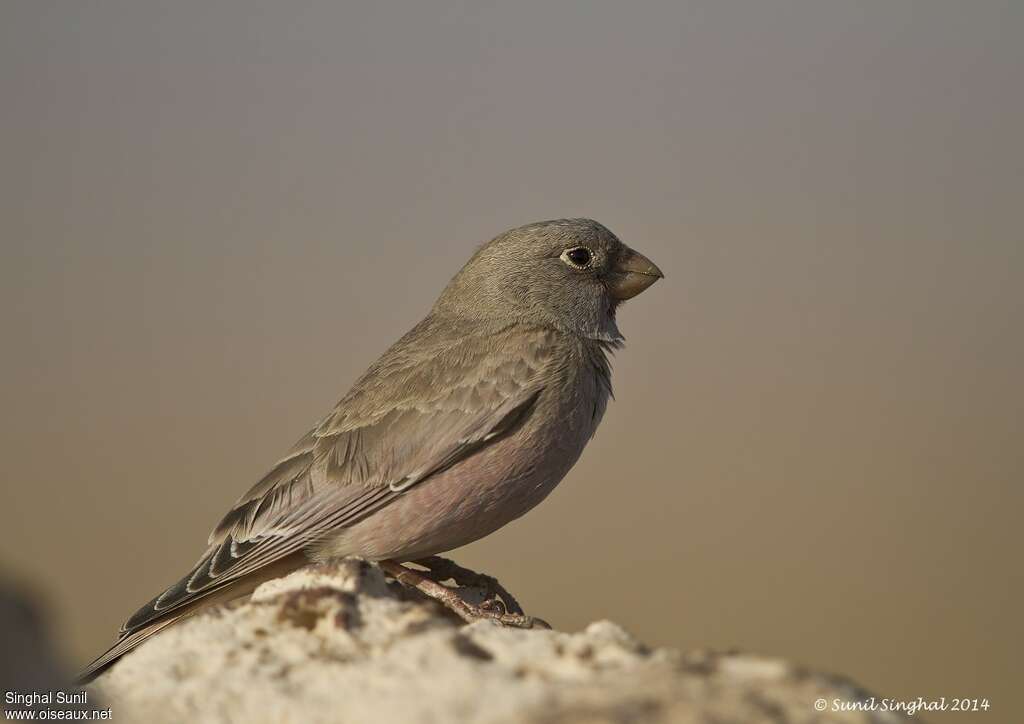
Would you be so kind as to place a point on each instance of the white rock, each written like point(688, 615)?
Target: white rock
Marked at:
point(339, 643)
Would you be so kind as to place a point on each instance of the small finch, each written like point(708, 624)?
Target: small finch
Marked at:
point(462, 426)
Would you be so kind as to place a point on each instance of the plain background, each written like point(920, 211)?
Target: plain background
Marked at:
point(215, 215)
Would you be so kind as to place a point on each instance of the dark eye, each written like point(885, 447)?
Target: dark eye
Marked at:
point(579, 257)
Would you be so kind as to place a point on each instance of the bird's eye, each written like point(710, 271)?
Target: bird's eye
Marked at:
point(578, 257)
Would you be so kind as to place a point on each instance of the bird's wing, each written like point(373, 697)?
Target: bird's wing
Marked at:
point(423, 407)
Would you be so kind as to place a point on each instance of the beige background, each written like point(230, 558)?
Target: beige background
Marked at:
point(216, 215)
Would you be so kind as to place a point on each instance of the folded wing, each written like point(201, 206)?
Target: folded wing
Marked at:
point(420, 409)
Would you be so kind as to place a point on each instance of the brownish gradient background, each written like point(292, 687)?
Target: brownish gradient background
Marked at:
point(216, 215)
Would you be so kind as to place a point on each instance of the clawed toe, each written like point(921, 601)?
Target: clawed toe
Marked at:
point(499, 605)
point(494, 610)
point(494, 605)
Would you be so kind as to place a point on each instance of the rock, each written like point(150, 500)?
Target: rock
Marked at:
point(29, 661)
point(31, 665)
point(340, 643)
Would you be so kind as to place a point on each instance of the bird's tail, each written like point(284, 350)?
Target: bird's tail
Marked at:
point(125, 644)
point(153, 622)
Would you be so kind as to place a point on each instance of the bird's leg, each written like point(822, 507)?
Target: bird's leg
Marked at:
point(442, 569)
point(449, 598)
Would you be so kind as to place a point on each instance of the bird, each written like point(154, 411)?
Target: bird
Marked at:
point(466, 423)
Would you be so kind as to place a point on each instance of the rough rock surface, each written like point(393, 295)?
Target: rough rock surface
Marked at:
point(340, 643)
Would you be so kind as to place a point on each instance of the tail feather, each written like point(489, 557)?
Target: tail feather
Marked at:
point(124, 644)
point(154, 621)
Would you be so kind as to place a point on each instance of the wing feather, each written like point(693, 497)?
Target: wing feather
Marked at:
point(420, 409)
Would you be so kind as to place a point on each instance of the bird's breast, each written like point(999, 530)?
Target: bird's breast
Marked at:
point(497, 484)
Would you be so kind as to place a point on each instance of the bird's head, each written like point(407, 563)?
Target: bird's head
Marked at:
point(571, 274)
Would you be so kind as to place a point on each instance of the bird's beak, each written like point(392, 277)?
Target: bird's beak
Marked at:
point(632, 273)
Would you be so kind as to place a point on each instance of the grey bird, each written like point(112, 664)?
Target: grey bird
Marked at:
point(463, 425)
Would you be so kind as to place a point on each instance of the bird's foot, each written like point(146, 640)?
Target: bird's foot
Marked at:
point(499, 606)
point(442, 569)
